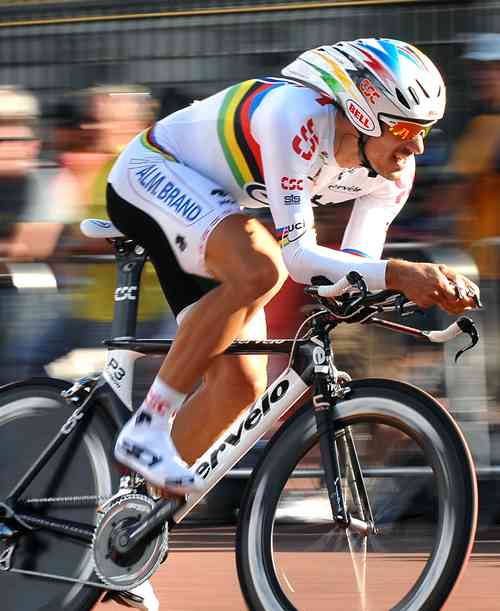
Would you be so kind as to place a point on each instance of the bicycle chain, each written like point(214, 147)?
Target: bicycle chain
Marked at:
point(67, 500)
point(127, 485)
point(47, 522)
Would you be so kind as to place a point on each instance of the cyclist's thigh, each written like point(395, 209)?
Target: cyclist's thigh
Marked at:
point(180, 288)
point(252, 247)
point(186, 205)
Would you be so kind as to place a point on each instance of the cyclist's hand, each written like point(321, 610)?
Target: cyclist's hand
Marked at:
point(466, 291)
point(428, 284)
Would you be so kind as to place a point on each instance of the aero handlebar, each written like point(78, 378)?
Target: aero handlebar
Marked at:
point(348, 300)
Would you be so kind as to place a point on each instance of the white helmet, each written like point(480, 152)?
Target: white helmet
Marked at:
point(373, 80)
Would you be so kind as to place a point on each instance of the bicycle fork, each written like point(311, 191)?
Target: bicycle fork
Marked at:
point(325, 395)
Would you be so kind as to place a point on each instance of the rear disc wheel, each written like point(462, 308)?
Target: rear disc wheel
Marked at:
point(31, 414)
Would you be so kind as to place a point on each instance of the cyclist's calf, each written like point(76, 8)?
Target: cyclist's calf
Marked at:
point(236, 382)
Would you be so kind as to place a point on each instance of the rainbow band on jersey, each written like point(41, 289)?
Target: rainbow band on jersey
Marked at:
point(240, 149)
point(148, 140)
point(353, 251)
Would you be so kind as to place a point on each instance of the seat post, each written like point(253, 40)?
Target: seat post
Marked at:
point(130, 259)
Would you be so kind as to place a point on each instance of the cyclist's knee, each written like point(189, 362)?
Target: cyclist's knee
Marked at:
point(258, 276)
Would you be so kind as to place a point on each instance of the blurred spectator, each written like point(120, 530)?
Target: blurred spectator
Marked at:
point(474, 192)
point(24, 192)
point(36, 204)
point(475, 161)
point(112, 116)
point(93, 126)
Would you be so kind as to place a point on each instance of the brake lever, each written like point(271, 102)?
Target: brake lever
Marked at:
point(407, 308)
point(468, 326)
point(356, 280)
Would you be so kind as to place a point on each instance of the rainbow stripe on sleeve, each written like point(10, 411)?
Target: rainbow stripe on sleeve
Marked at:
point(148, 140)
point(241, 150)
point(353, 251)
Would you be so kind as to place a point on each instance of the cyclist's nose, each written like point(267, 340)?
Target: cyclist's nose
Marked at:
point(417, 145)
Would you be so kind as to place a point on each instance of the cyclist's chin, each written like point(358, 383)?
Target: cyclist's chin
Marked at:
point(390, 171)
point(391, 175)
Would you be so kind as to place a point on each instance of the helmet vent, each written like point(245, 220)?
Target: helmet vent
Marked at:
point(402, 99)
point(414, 95)
point(422, 88)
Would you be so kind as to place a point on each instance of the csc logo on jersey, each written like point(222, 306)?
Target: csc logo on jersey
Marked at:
point(306, 143)
point(292, 184)
point(359, 116)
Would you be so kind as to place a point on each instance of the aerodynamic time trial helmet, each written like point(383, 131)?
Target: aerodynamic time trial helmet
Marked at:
point(375, 80)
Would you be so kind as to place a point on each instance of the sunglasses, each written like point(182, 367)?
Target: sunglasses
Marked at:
point(406, 130)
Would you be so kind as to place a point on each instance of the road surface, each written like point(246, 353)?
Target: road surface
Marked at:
point(200, 574)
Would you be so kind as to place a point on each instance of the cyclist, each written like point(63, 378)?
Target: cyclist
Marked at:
point(346, 122)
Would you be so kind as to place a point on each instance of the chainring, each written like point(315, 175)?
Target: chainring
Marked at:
point(128, 570)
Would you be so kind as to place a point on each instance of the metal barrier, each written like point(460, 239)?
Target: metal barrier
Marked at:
point(198, 47)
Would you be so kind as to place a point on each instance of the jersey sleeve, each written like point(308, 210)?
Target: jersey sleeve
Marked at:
point(373, 213)
point(289, 139)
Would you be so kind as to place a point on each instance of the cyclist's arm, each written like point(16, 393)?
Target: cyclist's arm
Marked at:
point(294, 223)
point(373, 213)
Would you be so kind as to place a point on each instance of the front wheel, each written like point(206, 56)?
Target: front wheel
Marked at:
point(421, 485)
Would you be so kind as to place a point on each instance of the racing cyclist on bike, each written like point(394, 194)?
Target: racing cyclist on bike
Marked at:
point(345, 122)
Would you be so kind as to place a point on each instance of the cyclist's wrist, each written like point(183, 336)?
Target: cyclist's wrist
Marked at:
point(395, 272)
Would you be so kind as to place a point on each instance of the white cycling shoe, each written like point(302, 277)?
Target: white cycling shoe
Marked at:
point(150, 452)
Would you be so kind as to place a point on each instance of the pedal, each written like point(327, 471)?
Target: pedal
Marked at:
point(127, 599)
point(130, 483)
point(142, 597)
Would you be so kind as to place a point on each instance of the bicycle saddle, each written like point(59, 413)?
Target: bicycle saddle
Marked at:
point(100, 228)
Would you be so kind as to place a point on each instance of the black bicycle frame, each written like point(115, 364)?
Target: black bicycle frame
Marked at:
point(310, 360)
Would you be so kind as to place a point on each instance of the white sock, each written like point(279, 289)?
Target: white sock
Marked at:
point(160, 405)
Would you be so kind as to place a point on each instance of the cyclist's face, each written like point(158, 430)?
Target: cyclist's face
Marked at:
point(389, 155)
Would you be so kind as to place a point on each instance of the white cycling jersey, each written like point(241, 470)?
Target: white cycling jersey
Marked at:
point(263, 142)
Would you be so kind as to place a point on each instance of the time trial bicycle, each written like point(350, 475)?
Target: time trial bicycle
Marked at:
point(330, 513)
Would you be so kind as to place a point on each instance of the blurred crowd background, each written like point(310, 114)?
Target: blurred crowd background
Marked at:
point(79, 79)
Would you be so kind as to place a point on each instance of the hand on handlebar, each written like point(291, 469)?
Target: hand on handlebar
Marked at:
point(428, 284)
point(360, 306)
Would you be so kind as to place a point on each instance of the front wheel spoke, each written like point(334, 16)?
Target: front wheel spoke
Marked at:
point(358, 552)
